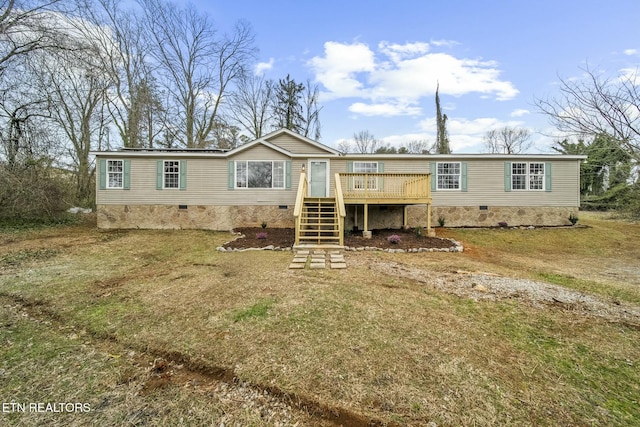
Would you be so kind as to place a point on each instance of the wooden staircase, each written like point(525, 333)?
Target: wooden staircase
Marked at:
point(319, 222)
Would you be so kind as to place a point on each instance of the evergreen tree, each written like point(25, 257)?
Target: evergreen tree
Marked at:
point(287, 107)
point(442, 138)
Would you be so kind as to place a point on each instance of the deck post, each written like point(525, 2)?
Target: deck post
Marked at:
point(430, 231)
point(405, 220)
point(366, 233)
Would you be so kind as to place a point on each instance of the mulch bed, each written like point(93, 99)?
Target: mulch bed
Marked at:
point(285, 237)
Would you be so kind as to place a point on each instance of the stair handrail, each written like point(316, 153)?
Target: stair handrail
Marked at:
point(297, 209)
point(342, 212)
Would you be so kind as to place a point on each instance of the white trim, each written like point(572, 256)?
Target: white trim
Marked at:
point(327, 191)
point(459, 177)
point(106, 177)
point(164, 175)
point(527, 177)
point(235, 175)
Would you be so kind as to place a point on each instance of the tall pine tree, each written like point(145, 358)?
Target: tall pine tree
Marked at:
point(442, 140)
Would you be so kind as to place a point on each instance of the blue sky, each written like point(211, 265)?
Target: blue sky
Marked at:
point(377, 63)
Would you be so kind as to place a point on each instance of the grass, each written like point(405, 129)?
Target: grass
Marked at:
point(89, 318)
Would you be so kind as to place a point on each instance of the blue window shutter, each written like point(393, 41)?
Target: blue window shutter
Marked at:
point(381, 180)
point(183, 174)
point(434, 176)
point(507, 176)
point(463, 176)
point(232, 174)
point(349, 166)
point(103, 174)
point(287, 174)
point(159, 172)
point(547, 176)
point(350, 181)
point(126, 175)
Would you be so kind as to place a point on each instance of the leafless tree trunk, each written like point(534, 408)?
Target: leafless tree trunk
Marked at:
point(196, 65)
point(311, 111)
point(598, 105)
point(76, 85)
point(250, 105)
point(507, 140)
point(365, 142)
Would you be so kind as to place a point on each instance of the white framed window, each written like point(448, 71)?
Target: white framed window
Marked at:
point(527, 176)
point(115, 174)
point(449, 175)
point(365, 167)
point(260, 174)
point(171, 174)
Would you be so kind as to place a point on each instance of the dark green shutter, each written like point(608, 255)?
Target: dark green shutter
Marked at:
point(103, 173)
point(287, 174)
point(434, 176)
point(547, 176)
point(126, 175)
point(463, 176)
point(507, 176)
point(183, 174)
point(231, 177)
point(159, 173)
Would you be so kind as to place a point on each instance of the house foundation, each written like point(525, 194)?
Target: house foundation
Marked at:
point(193, 216)
point(229, 217)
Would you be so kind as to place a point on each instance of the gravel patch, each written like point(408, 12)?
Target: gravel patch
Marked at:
point(489, 286)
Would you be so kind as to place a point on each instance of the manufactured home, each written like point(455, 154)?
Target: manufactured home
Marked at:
point(286, 180)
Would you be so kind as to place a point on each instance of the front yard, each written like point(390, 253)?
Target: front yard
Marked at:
point(160, 328)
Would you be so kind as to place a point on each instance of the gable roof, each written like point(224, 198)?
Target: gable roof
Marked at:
point(304, 139)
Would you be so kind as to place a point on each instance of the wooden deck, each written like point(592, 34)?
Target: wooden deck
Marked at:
point(386, 188)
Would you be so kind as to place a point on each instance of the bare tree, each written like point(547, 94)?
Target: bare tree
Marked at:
point(119, 34)
point(507, 140)
point(598, 105)
point(196, 65)
point(311, 110)
point(76, 86)
point(25, 26)
point(365, 142)
point(251, 105)
point(417, 146)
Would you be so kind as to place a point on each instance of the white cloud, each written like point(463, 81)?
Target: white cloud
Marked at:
point(384, 109)
point(630, 52)
point(402, 74)
point(338, 69)
point(261, 67)
point(520, 112)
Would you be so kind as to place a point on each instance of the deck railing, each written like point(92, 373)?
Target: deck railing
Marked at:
point(340, 208)
point(385, 187)
point(297, 210)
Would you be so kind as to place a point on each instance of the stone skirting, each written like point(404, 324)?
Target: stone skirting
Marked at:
point(229, 217)
point(194, 216)
point(472, 216)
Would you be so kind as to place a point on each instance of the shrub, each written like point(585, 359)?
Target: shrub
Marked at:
point(262, 236)
point(419, 231)
point(264, 224)
point(394, 239)
point(441, 221)
point(503, 224)
point(573, 219)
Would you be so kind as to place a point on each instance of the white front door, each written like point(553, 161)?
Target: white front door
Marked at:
point(318, 178)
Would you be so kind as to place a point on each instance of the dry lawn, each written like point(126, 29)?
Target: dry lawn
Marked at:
point(158, 328)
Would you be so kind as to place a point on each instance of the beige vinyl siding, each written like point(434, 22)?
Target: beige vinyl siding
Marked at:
point(207, 184)
point(259, 152)
point(485, 186)
point(296, 146)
